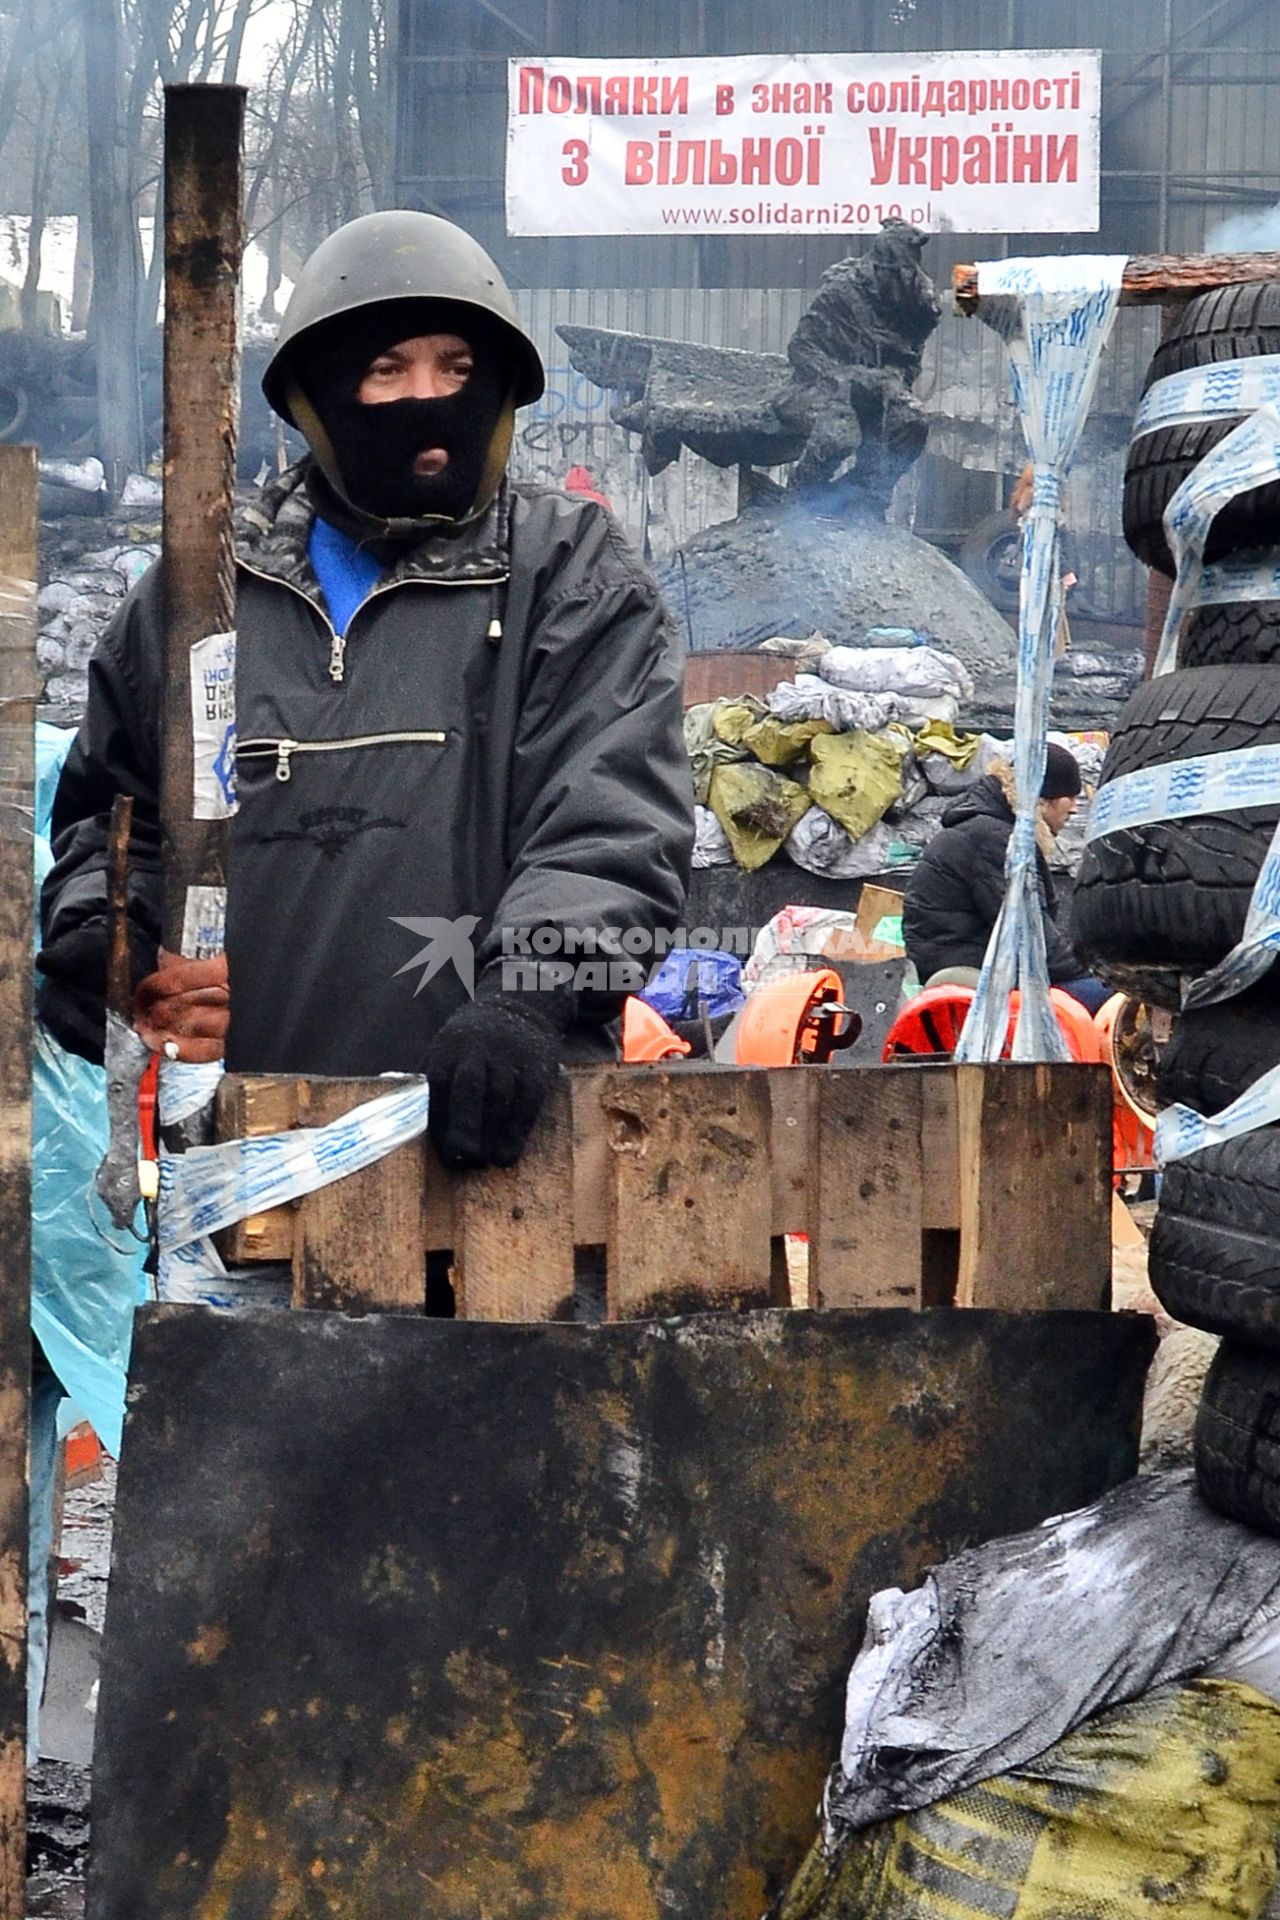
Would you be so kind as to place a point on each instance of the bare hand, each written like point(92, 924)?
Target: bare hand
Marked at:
point(186, 1003)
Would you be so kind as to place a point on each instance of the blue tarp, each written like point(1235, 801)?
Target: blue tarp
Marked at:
point(719, 977)
point(86, 1276)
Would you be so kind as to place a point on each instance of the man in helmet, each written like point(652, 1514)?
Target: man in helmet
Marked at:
point(458, 726)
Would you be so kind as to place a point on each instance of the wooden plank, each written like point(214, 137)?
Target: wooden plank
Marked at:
point(18, 687)
point(866, 1248)
point(360, 1244)
point(203, 245)
point(1035, 1186)
point(940, 1145)
point(690, 1197)
point(513, 1258)
point(590, 1156)
point(792, 1110)
point(1125, 1231)
point(1155, 279)
point(249, 1108)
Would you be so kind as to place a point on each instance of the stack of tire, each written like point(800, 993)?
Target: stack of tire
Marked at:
point(1160, 904)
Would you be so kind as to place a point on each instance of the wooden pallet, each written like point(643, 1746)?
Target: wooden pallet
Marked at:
point(670, 1189)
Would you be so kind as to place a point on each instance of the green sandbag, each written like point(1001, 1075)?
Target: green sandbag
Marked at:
point(856, 777)
point(706, 749)
point(757, 809)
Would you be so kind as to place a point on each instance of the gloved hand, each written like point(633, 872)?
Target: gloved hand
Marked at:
point(186, 1003)
point(490, 1068)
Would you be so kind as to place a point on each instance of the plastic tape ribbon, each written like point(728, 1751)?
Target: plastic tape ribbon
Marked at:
point(1055, 316)
point(209, 1188)
point(1253, 577)
point(1246, 458)
point(1180, 1131)
point(1209, 783)
point(1224, 391)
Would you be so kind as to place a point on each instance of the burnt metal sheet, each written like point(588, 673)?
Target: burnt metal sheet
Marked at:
point(471, 1620)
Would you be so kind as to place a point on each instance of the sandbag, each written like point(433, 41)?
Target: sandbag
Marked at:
point(710, 841)
point(808, 697)
point(918, 671)
point(819, 844)
point(757, 809)
point(767, 737)
point(1169, 1804)
point(1008, 1647)
point(856, 777)
point(705, 749)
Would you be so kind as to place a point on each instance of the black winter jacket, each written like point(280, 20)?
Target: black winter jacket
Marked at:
point(428, 768)
point(956, 889)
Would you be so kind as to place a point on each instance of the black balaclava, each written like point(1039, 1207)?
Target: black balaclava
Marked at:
point(372, 447)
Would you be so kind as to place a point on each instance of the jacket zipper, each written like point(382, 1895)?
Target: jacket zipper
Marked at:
point(284, 750)
point(338, 641)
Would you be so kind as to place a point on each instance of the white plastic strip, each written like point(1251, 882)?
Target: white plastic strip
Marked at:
point(213, 727)
point(1055, 316)
point(1179, 1131)
point(1210, 783)
point(208, 1188)
point(1220, 392)
point(186, 1089)
point(1252, 577)
point(1246, 458)
point(204, 922)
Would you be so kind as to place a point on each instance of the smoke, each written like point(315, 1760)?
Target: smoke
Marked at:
point(1247, 233)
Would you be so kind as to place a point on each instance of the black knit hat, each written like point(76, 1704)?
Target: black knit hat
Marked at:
point(1061, 775)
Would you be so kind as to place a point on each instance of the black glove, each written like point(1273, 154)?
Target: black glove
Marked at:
point(490, 1068)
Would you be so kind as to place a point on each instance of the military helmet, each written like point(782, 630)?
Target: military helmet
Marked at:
point(397, 255)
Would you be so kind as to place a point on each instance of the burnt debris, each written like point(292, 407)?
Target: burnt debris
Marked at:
point(838, 405)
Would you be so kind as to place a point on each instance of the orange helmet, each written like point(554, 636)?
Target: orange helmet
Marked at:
point(795, 1021)
point(646, 1036)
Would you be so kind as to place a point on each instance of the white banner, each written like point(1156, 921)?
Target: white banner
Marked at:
point(832, 143)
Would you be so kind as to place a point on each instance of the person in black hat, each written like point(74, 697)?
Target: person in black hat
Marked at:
point(459, 761)
point(957, 887)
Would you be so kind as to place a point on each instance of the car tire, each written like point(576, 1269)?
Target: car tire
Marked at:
point(1214, 1257)
point(1155, 903)
point(1237, 1436)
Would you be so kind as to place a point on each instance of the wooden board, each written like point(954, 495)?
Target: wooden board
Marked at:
point(203, 245)
point(17, 907)
point(249, 1109)
point(359, 1246)
point(513, 1253)
point(792, 1112)
point(866, 1246)
point(690, 1198)
point(940, 1199)
point(1035, 1186)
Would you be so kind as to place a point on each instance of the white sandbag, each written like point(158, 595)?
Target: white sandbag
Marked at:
point(820, 844)
point(808, 697)
point(1010, 1646)
point(710, 843)
point(945, 777)
point(908, 670)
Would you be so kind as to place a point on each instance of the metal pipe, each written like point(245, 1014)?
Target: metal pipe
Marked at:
point(1166, 108)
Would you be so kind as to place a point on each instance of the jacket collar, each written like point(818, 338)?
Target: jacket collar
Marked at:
point(272, 536)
